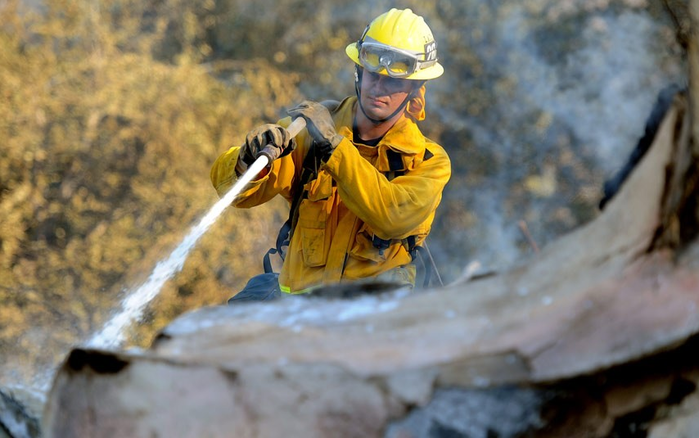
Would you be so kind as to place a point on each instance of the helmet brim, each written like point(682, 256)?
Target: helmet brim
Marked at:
point(431, 72)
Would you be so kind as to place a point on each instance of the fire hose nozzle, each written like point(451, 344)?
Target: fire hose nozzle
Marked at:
point(269, 151)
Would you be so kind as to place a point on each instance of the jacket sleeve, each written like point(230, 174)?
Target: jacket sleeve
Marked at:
point(278, 180)
point(392, 208)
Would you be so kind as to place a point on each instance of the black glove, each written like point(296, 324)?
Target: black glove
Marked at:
point(320, 126)
point(257, 139)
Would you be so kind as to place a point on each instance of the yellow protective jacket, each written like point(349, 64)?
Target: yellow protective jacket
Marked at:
point(355, 197)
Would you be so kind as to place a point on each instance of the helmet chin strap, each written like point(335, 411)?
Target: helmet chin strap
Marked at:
point(358, 72)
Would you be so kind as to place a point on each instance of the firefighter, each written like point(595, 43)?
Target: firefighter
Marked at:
point(362, 180)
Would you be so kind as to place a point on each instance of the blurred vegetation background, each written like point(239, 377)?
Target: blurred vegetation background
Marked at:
point(112, 112)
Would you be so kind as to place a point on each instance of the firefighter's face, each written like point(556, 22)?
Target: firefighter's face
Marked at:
point(382, 95)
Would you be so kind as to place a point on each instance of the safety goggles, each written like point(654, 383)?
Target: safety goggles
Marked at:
point(398, 63)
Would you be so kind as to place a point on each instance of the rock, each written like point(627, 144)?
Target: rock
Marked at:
point(686, 426)
point(19, 414)
point(474, 413)
point(101, 394)
point(682, 422)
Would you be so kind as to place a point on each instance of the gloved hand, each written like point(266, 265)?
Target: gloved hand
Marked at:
point(281, 142)
point(320, 126)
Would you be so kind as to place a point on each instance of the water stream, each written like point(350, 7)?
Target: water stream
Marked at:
point(135, 302)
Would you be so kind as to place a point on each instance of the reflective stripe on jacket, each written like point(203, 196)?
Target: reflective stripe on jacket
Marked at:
point(354, 198)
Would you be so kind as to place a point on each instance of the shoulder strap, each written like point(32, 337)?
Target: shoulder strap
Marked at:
point(397, 168)
point(309, 171)
point(395, 164)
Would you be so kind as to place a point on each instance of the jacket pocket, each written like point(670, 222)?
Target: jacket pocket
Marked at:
point(315, 242)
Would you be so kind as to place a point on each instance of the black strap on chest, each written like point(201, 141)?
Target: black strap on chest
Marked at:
point(397, 168)
point(309, 171)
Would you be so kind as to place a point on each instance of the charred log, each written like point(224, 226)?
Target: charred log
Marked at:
point(660, 109)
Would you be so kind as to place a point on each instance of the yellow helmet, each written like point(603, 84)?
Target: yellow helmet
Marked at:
point(398, 43)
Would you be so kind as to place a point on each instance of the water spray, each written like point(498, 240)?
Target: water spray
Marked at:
point(132, 307)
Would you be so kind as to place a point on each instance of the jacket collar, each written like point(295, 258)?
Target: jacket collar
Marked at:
point(404, 138)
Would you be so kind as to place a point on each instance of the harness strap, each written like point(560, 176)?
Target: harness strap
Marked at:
point(397, 168)
point(309, 171)
point(395, 160)
point(266, 262)
point(428, 268)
